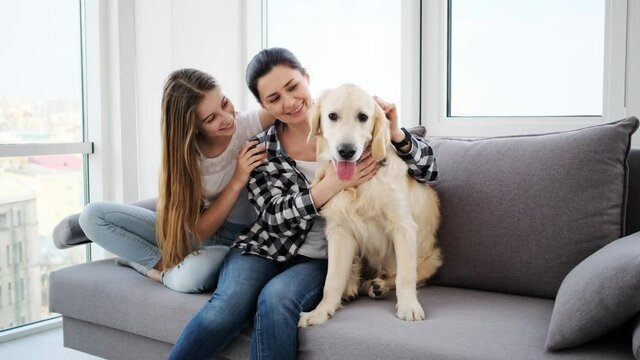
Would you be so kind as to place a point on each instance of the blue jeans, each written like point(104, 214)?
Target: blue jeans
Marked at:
point(251, 287)
point(130, 232)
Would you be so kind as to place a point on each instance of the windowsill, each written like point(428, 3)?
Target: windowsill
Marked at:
point(30, 329)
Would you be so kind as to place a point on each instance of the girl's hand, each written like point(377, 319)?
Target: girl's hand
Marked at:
point(250, 156)
point(391, 113)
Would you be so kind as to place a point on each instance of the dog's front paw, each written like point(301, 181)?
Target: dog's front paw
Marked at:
point(314, 317)
point(350, 292)
point(375, 288)
point(411, 311)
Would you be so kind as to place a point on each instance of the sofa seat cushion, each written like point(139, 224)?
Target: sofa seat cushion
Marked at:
point(115, 296)
point(519, 212)
point(460, 324)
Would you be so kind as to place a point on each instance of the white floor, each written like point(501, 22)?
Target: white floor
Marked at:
point(44, 345)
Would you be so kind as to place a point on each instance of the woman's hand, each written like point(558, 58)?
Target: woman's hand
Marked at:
point(250, 156)
point(330, 184)
point(391, 113)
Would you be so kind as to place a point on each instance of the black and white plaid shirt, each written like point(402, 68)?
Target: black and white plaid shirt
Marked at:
point(281, 196)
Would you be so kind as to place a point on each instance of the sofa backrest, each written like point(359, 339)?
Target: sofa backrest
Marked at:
point(518, 213)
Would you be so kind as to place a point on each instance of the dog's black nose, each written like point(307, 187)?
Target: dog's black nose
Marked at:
point(346, 150)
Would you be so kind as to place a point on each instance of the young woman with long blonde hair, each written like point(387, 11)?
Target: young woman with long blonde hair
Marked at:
point(202, 204)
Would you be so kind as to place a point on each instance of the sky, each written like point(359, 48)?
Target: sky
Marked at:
point(523, 57)
point(40, 54)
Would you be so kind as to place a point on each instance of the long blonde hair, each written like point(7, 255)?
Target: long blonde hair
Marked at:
point(181, 192)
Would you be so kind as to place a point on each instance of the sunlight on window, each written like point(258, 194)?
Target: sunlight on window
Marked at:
point(526, 58)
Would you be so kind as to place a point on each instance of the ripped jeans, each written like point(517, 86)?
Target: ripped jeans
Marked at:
point(129, 231)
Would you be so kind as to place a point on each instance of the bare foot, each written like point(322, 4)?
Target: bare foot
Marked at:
point(154, 274)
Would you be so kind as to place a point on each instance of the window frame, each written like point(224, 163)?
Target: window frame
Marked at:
point(434, 82)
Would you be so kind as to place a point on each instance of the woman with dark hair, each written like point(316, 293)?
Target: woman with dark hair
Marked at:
point(276, 269)
point(202, 204)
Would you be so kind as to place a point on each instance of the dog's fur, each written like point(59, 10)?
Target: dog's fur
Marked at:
point(387, 224)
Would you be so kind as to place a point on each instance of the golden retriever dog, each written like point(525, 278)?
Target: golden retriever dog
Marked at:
point(387, 224)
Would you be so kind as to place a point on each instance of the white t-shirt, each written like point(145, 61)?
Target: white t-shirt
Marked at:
point(218, 171)
point(315, 245)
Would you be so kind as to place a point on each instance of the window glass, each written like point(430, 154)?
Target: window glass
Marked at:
point(40, 104)
point(40, 68)
point(38, 191)
point(526, 57)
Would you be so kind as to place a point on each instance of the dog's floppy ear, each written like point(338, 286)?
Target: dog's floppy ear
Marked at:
point(381, 135)
point(314, 119)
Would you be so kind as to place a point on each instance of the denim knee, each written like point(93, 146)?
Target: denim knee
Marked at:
point(89, 218)
point(272, 303)
point(197, 272)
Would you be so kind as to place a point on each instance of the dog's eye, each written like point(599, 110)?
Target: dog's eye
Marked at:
point(333, 116)
point(363, 117)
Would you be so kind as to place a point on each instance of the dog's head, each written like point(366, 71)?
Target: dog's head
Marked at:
point(346, 120)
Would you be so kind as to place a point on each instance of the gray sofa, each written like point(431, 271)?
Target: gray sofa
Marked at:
point(532, 260)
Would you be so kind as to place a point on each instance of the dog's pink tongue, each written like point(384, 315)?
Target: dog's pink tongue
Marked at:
point(345, 169)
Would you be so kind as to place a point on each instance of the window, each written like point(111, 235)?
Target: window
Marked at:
point(22, 295)
point(359, 41)
point(526, 58)
point(43, 150)
point(4, 223)
point(522, 66)
point(9, 294)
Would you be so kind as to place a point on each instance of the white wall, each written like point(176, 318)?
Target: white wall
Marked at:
point(162, 35)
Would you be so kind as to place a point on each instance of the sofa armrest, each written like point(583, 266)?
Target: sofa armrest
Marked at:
point(68, 233)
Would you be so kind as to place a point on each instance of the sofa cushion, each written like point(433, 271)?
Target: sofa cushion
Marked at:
point(118, 297)
point(518, 213)
point(104, 293)
point(598, 295)
point(460, 324)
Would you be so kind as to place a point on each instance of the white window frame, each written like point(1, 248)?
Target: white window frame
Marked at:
point(255, 28)
point(434, 82)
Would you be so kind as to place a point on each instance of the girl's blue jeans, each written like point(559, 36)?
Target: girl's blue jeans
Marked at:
point(130, 232)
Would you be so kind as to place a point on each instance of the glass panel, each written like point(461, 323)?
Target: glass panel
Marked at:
point(40, 68)
point(526, 57)
point(356, 41)
point(37, 192)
